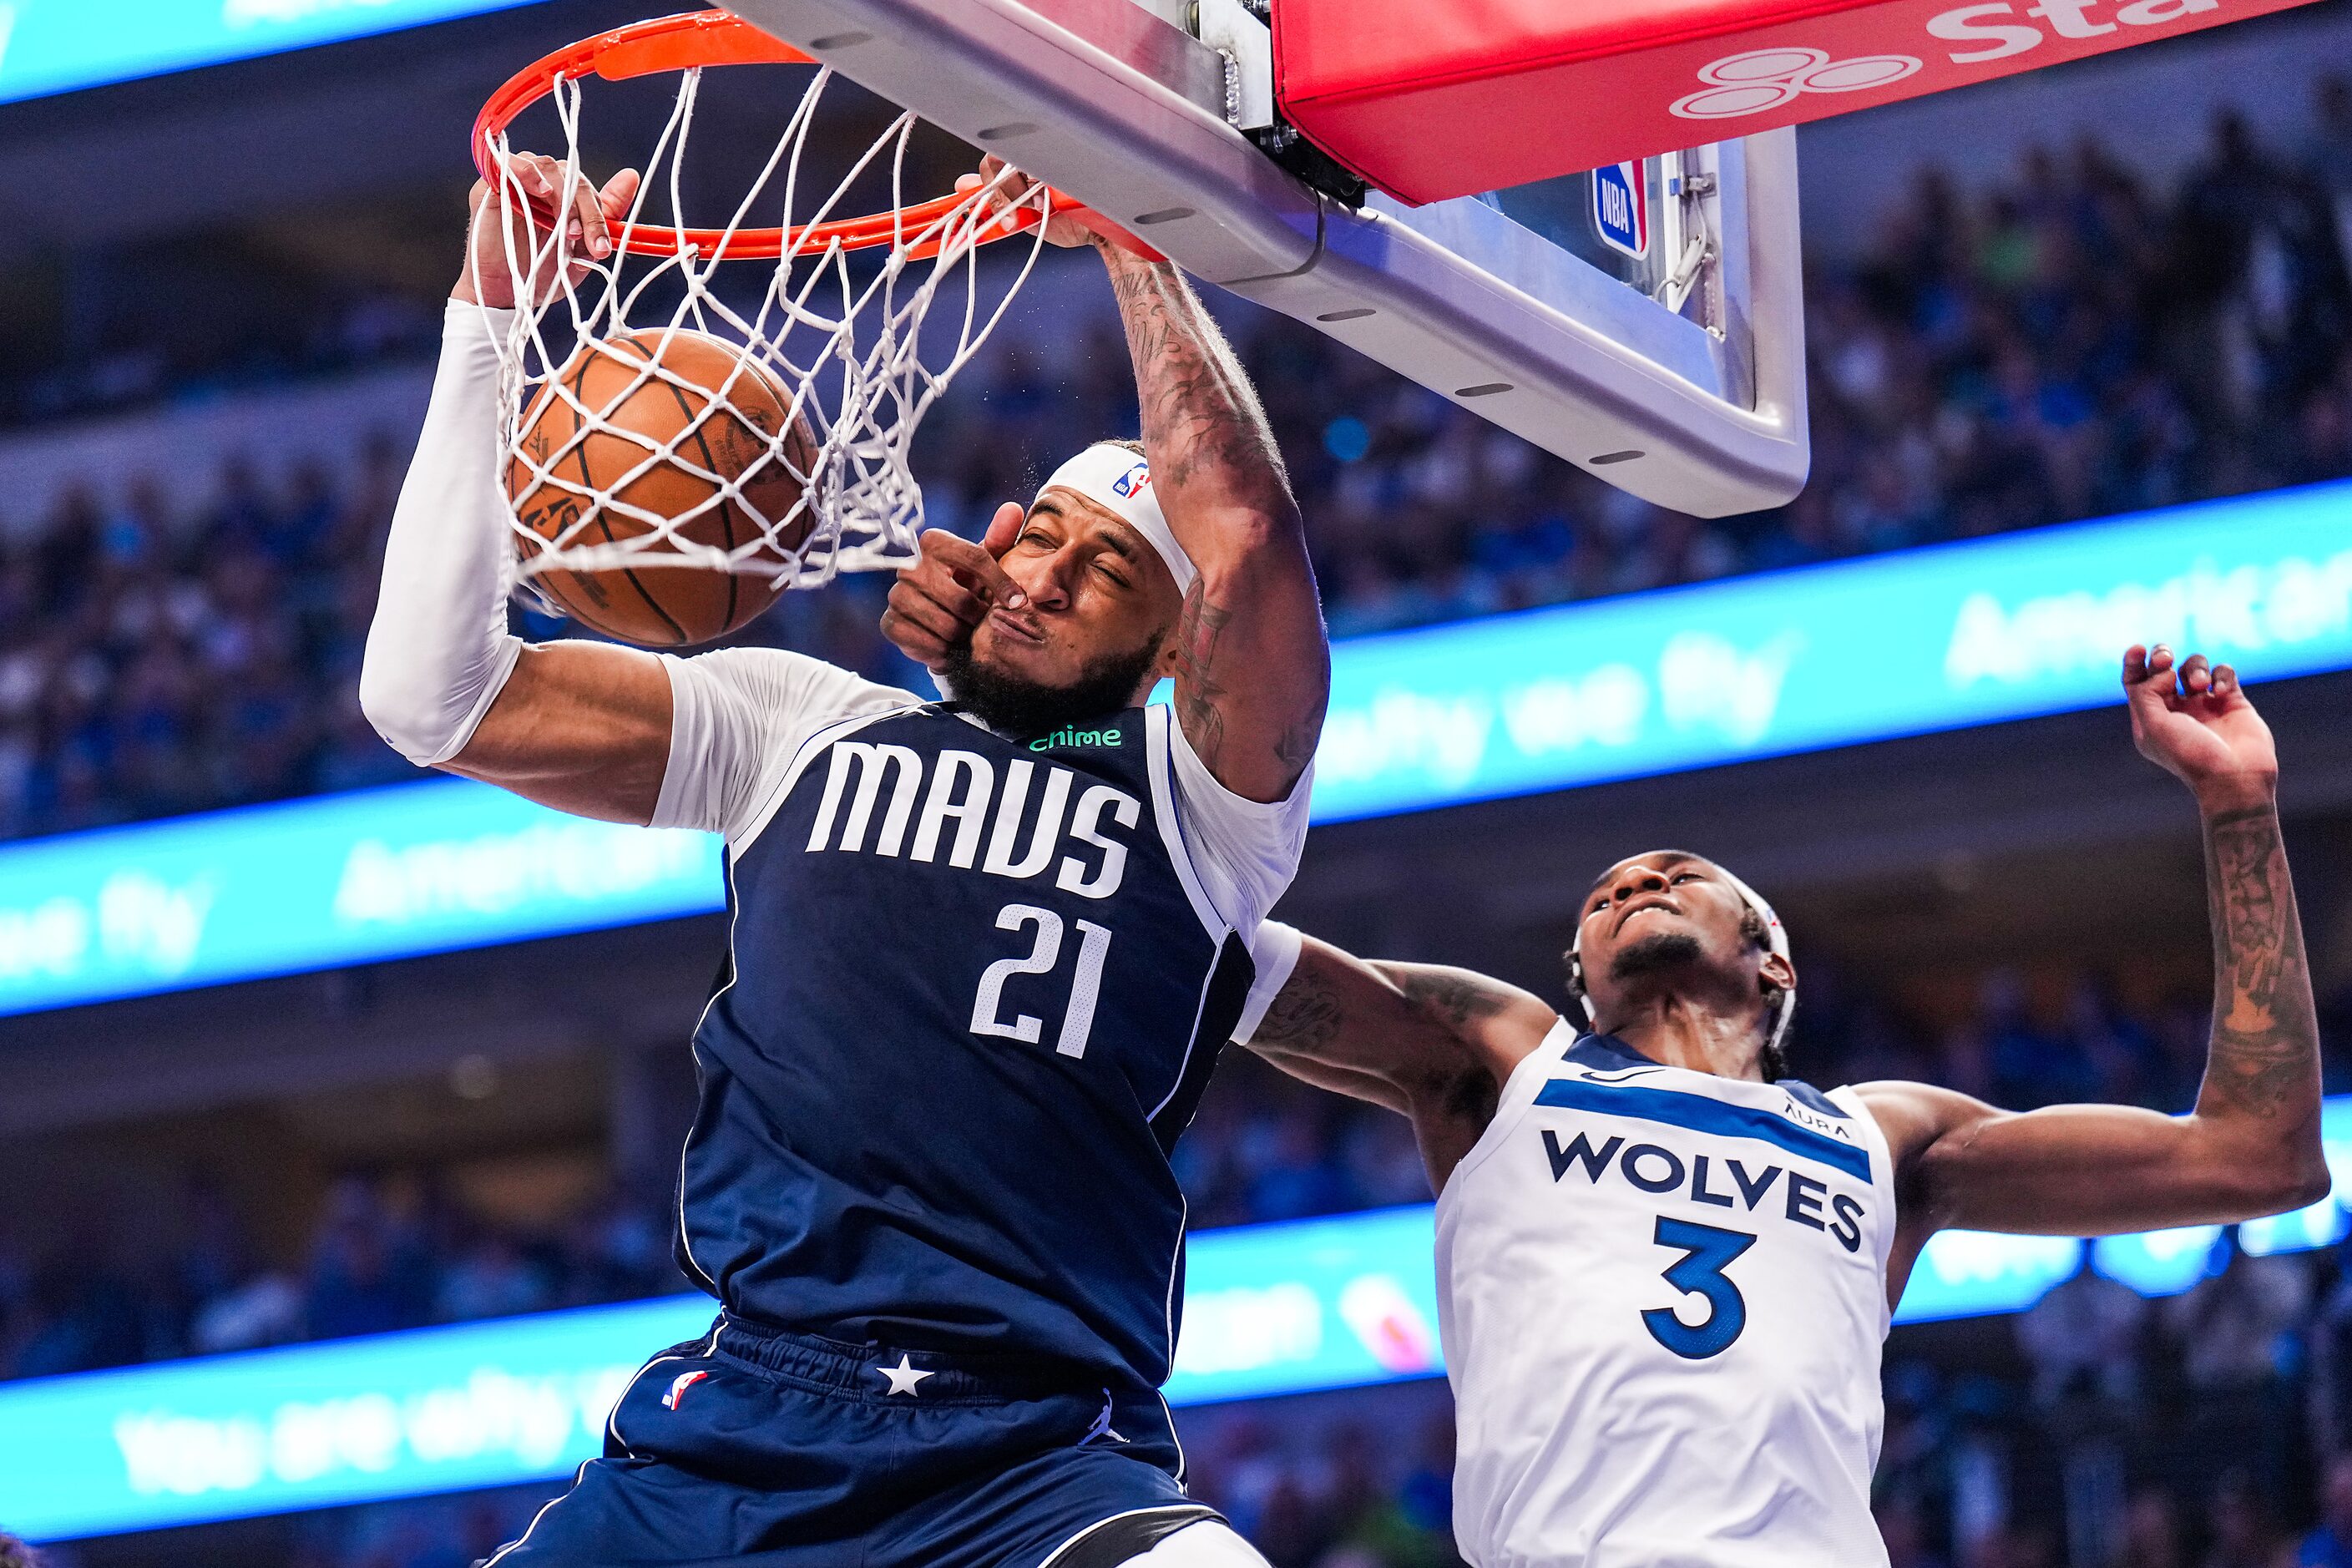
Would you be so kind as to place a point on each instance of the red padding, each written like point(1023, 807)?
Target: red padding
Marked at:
point(1432, 99)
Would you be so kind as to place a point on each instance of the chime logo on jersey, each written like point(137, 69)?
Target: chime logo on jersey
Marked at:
point(1077, 738)
point(966, 808)
point(678, 1385)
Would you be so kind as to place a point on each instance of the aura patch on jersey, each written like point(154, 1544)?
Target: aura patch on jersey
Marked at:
point(1700, 1114)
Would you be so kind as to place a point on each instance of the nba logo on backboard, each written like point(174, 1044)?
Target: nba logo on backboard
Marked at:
point(1134, 479)
point(1621, 208)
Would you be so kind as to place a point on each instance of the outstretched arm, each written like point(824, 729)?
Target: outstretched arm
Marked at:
point(1253, 671)
point(584, 727)
point(1432, 1043)
point(2251, 1146)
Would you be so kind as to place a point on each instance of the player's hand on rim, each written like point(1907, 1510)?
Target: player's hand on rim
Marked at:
point(2193, 720)
point(940, 600)
point(1010, 188)
point(533, 188)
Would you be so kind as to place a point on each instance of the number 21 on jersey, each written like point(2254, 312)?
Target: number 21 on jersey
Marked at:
point(1045, 955)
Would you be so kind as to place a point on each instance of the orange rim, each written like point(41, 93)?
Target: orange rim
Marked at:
point(722, 38)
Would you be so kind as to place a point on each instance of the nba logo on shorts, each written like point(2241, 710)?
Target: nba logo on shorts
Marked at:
point(1134, 479)
point(1621, 208)
point(678, 1385)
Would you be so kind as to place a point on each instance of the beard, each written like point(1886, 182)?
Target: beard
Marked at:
point(1016, 705)
point(1669, 949)
point(1672, 950)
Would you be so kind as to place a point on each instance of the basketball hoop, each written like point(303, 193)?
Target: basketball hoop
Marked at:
point(847, 351)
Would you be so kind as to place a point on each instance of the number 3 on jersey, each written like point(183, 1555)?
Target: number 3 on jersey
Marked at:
point(1706, 1251)
point(1045, 952)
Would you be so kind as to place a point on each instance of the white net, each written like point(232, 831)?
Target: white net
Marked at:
point(825, 373)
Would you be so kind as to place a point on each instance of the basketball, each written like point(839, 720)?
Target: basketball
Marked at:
point(657, 601)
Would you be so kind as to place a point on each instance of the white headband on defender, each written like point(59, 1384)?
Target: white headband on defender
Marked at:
point(1775, 937)
point(1118, 479)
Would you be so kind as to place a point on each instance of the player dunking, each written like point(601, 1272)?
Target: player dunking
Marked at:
point(982, 956)
point(1665, 1270)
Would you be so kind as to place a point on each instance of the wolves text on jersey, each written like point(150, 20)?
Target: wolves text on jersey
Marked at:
point(1804, 1200)
point(970, 817)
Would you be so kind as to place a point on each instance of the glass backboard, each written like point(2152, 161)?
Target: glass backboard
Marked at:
point(1643, 322)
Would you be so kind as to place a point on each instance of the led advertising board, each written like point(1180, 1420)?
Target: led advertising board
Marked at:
point(1901, 644)
point(320, 883)
point(1268, 1309)
point(56, 46)
point(1827, 656)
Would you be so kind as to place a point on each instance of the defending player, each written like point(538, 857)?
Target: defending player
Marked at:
point(1665, 1270)
point(982, 956)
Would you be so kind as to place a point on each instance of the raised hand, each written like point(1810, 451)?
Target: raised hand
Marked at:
point(939, 601)
point(532, 194)
point(2194, 723)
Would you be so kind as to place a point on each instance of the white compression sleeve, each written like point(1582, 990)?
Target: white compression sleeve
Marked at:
point(440, 650)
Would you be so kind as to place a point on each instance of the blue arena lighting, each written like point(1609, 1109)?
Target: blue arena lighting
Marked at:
point(1901, 644)
point(2160, 1262)
point(322, 883)
point(58, 46)
point(1269, 1309)
point(1827, 656)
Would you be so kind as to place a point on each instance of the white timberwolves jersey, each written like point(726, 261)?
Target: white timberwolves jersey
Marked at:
point(1663, 1296)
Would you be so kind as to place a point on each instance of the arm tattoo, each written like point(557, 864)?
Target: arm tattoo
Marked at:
point(1198, 688)
point(2264, 1056)
point(1301, 1020)
point(1453, 999)
point(1206, 433)
point(1198, 410)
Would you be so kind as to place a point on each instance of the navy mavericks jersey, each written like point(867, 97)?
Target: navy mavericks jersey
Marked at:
point(973, 994)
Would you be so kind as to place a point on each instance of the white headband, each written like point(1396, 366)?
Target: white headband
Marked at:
point(1776, 939)
point(1118, 479)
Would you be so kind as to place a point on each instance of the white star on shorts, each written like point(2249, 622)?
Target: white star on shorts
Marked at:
point(903, 1377)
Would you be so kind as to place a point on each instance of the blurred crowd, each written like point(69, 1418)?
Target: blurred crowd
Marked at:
point(2070, 344)
point(2207, 1429)
point(386, 1252)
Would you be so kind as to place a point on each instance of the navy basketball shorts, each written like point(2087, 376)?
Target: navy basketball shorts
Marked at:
point(751, 1448)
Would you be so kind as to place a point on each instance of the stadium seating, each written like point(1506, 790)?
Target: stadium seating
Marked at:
point(2069, 345)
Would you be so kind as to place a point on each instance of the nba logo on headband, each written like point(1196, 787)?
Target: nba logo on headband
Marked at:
point(1111, 475)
